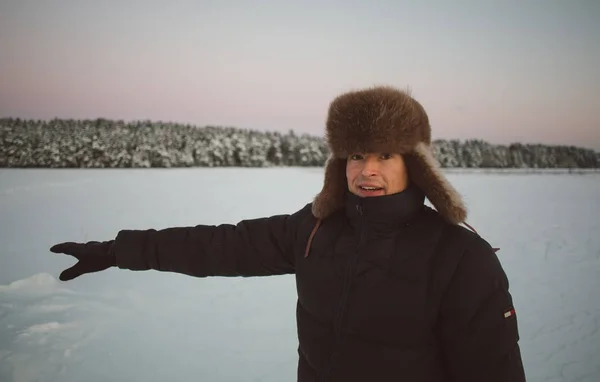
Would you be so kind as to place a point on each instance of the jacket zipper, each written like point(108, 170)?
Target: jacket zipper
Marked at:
point(348, 277)
point(337, 326)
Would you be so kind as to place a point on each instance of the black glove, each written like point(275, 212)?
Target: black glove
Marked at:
point(93, 256)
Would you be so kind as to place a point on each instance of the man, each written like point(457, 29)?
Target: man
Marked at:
point(388, 288)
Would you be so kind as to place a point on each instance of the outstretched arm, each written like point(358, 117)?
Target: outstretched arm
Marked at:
point(253, 247)
point(478, 324)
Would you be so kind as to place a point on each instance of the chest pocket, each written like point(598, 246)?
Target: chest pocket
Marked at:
point(318, 276)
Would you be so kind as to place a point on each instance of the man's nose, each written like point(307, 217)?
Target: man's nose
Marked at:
point(370, 167)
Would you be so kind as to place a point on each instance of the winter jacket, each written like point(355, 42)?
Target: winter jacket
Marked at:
point(387, 290)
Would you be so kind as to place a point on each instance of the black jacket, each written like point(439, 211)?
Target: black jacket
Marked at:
point(388, 292)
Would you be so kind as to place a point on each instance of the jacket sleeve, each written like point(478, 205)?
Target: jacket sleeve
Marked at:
point(478, 323)
point(252, 247)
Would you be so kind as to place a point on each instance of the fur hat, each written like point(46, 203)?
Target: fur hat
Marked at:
point(383, 119)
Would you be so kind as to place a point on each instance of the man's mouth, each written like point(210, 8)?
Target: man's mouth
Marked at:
point(370, 190)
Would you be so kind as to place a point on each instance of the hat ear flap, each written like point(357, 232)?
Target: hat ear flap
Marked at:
point(425, 172)
point(331, 197)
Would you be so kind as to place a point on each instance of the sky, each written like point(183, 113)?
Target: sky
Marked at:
point(504, 72)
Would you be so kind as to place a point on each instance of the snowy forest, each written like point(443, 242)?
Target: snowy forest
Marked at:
point(103, 143)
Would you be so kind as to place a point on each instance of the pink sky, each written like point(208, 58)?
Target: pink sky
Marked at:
point(514, 71)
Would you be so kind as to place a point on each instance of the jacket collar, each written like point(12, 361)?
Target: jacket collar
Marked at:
point(384, 213)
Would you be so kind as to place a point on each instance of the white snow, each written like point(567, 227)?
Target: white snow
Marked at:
point(150, 326)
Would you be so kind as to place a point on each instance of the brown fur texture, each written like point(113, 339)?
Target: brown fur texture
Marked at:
point(383, 119)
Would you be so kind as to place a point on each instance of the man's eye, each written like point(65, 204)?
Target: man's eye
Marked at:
point(386, 156)
point(355, 157)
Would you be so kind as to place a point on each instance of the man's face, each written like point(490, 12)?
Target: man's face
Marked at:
point(376, 174)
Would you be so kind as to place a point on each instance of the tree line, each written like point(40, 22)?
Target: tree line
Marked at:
point(104, 143)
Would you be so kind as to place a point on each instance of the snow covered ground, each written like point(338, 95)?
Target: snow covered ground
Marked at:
point(150, 326)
